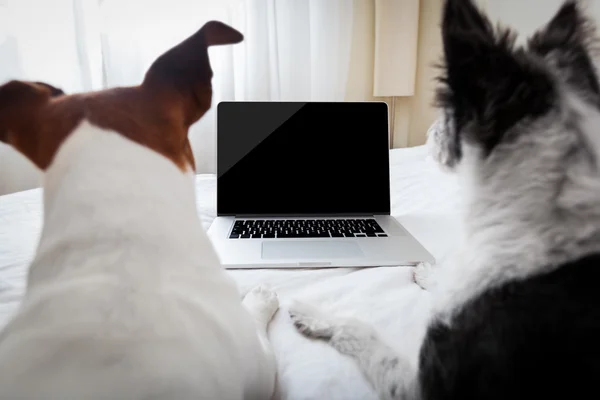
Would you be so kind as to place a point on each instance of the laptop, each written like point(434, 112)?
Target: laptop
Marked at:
point(306, 185)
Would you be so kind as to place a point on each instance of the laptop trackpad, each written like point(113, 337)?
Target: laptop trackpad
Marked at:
point(310, 249)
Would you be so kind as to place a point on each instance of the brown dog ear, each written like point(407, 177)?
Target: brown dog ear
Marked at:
point(182, 76)
point(54, 91)
point(17, 99)
point(217, 33)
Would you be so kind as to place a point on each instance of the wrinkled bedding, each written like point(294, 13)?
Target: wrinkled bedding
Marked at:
point(425, 201)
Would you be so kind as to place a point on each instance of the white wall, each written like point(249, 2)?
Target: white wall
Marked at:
point(526, 16)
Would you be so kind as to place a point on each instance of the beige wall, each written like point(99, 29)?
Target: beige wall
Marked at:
point(362, 52)
point(422, 112)
point(413, 115)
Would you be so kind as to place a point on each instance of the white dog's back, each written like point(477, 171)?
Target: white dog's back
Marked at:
point(125, 297)
point(130, 311)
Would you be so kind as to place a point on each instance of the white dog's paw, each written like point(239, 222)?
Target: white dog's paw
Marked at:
point(262, 303)
point(422, 275)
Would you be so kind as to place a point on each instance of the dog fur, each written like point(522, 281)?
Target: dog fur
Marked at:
point(517, 314)
point(126, 298)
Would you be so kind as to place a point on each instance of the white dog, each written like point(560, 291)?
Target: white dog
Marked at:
point(126, 298)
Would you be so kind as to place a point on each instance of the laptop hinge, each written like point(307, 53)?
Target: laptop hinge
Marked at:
point(307, 216)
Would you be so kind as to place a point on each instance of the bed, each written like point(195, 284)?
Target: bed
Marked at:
point(424, 199)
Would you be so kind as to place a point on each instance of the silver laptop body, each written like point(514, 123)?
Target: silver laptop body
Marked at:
point(306, 185)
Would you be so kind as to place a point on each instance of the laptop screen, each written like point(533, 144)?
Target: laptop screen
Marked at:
point(302, 159)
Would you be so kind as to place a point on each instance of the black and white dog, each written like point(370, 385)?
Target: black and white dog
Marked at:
point(517, 315)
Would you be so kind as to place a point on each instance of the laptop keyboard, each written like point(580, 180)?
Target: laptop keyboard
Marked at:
point(306, 228)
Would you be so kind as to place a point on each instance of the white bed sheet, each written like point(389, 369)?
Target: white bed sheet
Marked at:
point(424, 199)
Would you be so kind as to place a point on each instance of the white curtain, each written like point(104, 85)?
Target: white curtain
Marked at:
point(293, 50)
point(38, 41)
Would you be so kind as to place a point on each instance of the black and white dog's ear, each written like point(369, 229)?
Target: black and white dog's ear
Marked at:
point(488, 85)
point(568, 42)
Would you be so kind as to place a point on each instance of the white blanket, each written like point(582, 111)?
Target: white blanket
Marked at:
point(424, 200)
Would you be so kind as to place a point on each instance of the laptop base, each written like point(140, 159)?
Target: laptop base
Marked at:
point(398, 248)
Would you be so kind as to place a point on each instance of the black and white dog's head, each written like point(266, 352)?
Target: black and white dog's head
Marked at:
point(494, 94)
point(521, 118)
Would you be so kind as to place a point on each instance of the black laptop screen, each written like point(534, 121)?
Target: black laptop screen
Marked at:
point(295, 159)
